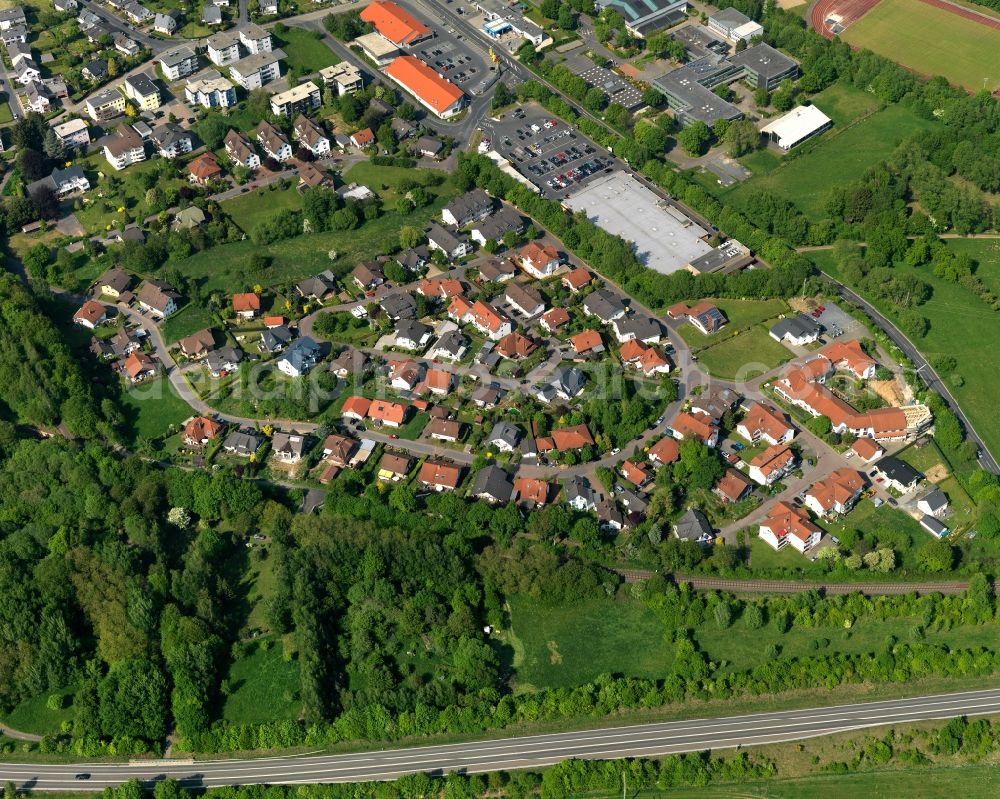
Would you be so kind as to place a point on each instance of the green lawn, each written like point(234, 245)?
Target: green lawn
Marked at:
point(886, 524)
point(931, 41)
point(305, 52)
point(34, 716)
point(740, 313)
point(151, 408)
point(844, 104)
point(745, 356)
point(971, 782)
point(386, 180)
point(565, 646)
point(263, 686)
point(220, 268)
point(841, 155)
point(250, 209)
point(960, 323)
point(189, 319)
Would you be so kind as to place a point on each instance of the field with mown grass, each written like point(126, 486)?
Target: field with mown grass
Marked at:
point(842, 154)
point(931, 41)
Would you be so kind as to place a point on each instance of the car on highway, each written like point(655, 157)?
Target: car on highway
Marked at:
point(83, 775)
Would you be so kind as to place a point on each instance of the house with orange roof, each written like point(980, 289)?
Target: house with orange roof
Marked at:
point(439, 475)
point(200, 430)
point(867, 450)
point(139, 366)
point(204, 169)
point(786, 524)
point(836, 493)
point(356, 408)
point(849, 356)
point(733, 486)
point(539, 260)
point(437, 94)
point(438, 382)
point(589, 342)
point(363, 138)
point(638, 474)
point(442, 288)
point(246, 305)
point(514, 346)
point(531, 493)
point(390, 414)
point(576, 279)
point(395, 24)
point(91, 314)
point(635, 354)
point(664, 451)
point(803, 386)
point(762, 422)
point(772, 464)
point(553, 319)
point(699, 426)
point(458, 309)
point(487, 320)
point(570, 438)
point(271, 322)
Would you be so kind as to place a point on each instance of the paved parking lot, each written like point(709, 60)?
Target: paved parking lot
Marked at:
point(548, 152)
point(453, 60)
point(614, 86)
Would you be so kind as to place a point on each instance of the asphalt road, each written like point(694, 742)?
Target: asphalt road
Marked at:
point(514, 753)
point(924, 369)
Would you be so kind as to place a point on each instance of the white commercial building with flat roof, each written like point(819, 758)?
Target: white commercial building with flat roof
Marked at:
point(796, 126)
point(665, 239)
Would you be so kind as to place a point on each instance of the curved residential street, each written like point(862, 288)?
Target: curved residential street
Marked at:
point(533, 751)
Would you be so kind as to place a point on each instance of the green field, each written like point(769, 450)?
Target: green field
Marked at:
point(841, 155)
point(151, 408)
point(263, 686)
point(959, 325)
point(558, 647)
point(34, 716)
point(565, 646)
point(745, 356)
point(931, 41)
point(386, 179)
point(189, 319)
point(250, 209)
point(740, 313)
point(971, 782)
point(304, 51)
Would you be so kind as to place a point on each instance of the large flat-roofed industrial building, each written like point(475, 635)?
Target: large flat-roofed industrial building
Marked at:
point(643, 17)
point(665, 239)
point(689, 89)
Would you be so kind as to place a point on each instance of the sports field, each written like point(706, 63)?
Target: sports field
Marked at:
point(931, 41)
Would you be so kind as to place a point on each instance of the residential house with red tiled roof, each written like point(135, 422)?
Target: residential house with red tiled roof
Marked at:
point(553, 319)
point(439, 475)
point(515, 346)
point(664, 451)
point(588, 342)
point(539, 260)
point(836, 493)
point(200, 430)
point(733, 486)
point(390, 414)
point(246, 305)
point(762, 422)
point(772, 464)
point(571, 438)
point(704, 316)
point(91, 314)
point(531, 493)
point(691, 425)
point(636, 473)
point(576, 279)
point(356, 408)
point(786, 524)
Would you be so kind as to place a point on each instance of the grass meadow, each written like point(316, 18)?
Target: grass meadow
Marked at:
point(930, 41)
point(559, 647)
point(843, 154)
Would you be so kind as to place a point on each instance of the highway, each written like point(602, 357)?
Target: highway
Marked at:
point(534, 751)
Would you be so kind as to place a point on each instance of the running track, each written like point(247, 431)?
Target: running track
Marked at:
point(851, 11)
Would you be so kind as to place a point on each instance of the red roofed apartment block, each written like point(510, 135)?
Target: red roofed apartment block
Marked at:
point(437, 94)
